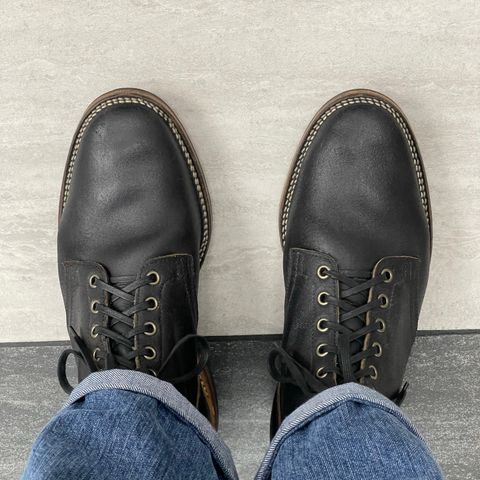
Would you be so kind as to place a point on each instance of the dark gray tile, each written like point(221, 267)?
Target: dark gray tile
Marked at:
point(443, 400)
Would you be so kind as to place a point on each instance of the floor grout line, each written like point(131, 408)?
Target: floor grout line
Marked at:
point(241, 338)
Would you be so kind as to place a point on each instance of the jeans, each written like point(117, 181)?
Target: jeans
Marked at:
point(120, 424)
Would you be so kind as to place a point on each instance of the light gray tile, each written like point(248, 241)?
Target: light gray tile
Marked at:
point(245, 78)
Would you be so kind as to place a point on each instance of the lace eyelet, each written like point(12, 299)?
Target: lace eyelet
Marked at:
point(319, 351)
point(156, 277)
point(321, 272)
point(384, 300)
point(387, 275)
point(379, 349)
point(152, 355)
point(92, 279)
point(319, 325)
point(322, 298)
point(320, 373)
point(152, 372)
point(93, 305)
point(382, 327)
point(95, 354)
point(373, 375)
point(154, 301)
point(92, 332)
point(151, 332)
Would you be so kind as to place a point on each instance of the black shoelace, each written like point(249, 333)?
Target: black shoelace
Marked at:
point(350, 332)
point(120, 332)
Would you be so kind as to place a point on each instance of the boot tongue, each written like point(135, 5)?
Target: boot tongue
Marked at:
point(356, 300)
point(120, 305)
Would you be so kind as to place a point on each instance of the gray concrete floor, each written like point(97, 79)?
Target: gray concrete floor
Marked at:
point(443, 400)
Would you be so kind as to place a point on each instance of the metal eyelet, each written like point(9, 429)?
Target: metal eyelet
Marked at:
point(151, 332)
point(382, 327)
point(373, 375)
point(384, 299)
point(379, 349)
point(322, 298)
point(92, 279)
point(319, 325)
point(322, 268)
point(156, 277)
point(387, 274)
point(152, 355)
point(92, 332)
point(95, 354)
point(319, 350)
point(93, 305)
point(152, 372)
point(320, 373)
point(154, 301)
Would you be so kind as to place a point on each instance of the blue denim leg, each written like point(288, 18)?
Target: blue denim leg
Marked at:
point(127, 425)
point(348, 432)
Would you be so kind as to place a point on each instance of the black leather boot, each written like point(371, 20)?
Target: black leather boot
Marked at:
point(356, 231)
point(134, 226)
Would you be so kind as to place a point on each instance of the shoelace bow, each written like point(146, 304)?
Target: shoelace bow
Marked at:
point(350, 332)
point(121, 352)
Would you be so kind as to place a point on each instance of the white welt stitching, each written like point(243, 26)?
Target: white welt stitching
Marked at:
point(173, 128)
point(313, 132)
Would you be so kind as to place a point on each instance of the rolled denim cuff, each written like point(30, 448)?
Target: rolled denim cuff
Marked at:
point(170, 398)
point(321, 404)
